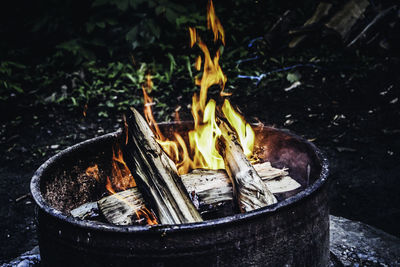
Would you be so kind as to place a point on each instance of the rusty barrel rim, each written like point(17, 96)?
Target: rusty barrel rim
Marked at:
point(98, 226)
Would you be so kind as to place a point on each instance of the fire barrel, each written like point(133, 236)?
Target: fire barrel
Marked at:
point(293, 232)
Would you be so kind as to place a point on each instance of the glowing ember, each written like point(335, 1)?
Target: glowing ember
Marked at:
point(93, 171)
point(203, 138)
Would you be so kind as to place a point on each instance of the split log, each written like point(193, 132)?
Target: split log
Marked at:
point(213, 187)
point(156, 175)
point(248, 188)
point(87, 211)
point(123, 208)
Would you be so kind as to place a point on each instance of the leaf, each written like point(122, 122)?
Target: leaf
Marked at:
point(159, 10)
point(132, 34)
point(172, 63)
point(293, 77)
point(17, 88)
point(101, 24)
point(74, 102)
point(154, 29)
point(130, 77)
point(109, 104)
point(170, 15)
point(189, 66)
point(99, 3)
point(122, 4)
point(103, 114)
point(90, 27)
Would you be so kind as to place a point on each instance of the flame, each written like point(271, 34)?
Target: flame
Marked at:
point(244, 131)
point(141, 212)
point(147, 215)
point(203, 138)
point(193, 35)
point(93, 171)
point(214, 24)
point(198, 63)
point(84, 112)
point(148, 113)
point(122, 179)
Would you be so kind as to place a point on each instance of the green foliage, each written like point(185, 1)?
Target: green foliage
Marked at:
point(93, 52)
point(10, 85)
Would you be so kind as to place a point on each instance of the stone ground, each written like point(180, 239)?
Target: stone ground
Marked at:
point(351, 243)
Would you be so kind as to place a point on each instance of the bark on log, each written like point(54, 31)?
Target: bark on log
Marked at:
point(156, 174)
point(248, 189)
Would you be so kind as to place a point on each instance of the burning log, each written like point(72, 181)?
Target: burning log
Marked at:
point(126, 208)
point(248, 188)
point(156, 174)
point(213, 187)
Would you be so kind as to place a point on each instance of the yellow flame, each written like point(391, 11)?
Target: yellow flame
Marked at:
point(198, 63)
point(122, 179)
point(193, 35)
point(214, 23)
point(244, 131)
point(203, 138)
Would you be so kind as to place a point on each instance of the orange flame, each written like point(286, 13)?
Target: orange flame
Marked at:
point(93, 171)
point(193, 35)
point(198, 63)
point(85, 107)
point(214, 24)
point(203, 138)
point(122, 179)
point(141, 212)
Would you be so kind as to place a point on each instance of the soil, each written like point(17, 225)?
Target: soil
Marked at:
point(354, 120)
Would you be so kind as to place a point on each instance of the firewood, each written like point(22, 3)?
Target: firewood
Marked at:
point(122, 208)
point(156, 175)
point(213, 187)
point(87, 211)
point(248, 188)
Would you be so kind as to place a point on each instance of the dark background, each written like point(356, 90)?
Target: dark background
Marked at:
point(60, 58)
